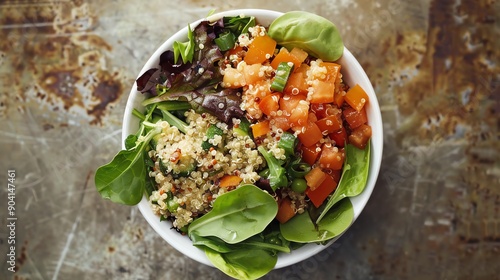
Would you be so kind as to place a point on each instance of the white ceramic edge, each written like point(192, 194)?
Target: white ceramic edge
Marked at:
point(184, 244)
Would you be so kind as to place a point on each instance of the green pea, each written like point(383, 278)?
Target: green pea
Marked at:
point(299, 185)
point(275, 240)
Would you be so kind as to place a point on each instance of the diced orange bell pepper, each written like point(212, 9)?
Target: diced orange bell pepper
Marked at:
point(260, 129)
point(300, 54)
point(260, 50)
point(285, 56)
point(331, 157)
point(339, 98)
point(322, 92)
point(329, 124)
point(297, 83)
point(355, 118)
point(310, 154)
point(310, 134)
point(230, 181)
point(360, 136)
point(319, 195)
point(314, 178)
point(332, 70)
point(270, 104)
point(356, 97)
point(285, 210)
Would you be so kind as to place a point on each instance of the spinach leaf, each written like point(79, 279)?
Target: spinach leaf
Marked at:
point(237, 215)
point(259, 242)
point(316, 35)
point(210, 242)
point(354, 176)
point(302, 229)
point(256, 241)
point(122, 180)
point(248, 263)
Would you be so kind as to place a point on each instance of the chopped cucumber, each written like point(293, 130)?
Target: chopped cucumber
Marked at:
point(182, 168)
point(212, 131)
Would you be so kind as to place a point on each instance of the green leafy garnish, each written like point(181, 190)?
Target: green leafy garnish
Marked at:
point(185, 49)
point(238, 25)
point(226, 41)
point(277, 173)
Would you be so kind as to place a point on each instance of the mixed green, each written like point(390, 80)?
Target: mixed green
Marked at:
point(295, 191)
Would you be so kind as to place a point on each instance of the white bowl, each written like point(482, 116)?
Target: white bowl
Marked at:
point(352, 73)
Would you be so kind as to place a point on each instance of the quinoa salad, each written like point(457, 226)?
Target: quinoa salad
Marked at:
point(192, 195)
point(250, 142)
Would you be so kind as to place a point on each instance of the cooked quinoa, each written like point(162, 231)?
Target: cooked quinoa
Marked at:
point(233, 154)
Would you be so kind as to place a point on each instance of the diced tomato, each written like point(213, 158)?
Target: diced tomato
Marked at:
point(270, 104)
point(322, 92)
point(262, 88)
point(234, 51)
point(285, 210)
point(260, 50)
point(356, 97)
point(318, 109)
point(340, 137)
point(298, 114)
point(331, 157)
point(355, 118)
point(260, 129)
point(314, 178)
point(280, 122)
point(233, 78)
point(312, 117)
point(332, 70)
point(335, 174)
point(285, 56)
point(360, 136)
point(296, 83)
point(319, 195)
point(310, 134)
point(289, 102)
point(330, 124)
point(251, 73)
point(310, 154)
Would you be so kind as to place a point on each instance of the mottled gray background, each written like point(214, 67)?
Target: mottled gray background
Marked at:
point(66, 68)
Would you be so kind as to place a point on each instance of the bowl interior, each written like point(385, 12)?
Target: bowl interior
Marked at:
point(352, 73)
